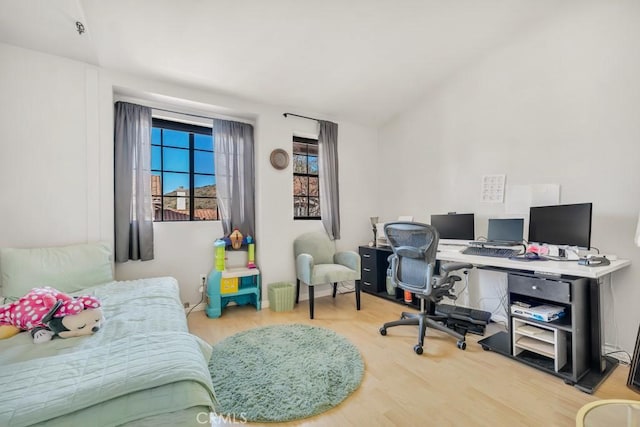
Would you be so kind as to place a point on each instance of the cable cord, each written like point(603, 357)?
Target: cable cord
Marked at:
point(466, 285)
point(192, 308)
point(622, 362)
point(204, 292)
point(613, 311)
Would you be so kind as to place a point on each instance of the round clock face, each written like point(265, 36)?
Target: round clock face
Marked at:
point(279, 158)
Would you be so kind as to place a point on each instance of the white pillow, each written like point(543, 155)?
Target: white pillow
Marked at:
point(66, 268)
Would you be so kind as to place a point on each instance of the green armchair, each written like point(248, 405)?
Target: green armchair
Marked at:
point(317, 262)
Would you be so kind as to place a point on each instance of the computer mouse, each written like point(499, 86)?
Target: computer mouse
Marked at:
point(531, 255)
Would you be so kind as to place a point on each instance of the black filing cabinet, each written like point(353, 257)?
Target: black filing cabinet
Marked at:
point(374, 269)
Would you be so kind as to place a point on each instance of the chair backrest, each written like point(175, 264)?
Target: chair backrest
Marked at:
point(317, 244)
point(414, 254)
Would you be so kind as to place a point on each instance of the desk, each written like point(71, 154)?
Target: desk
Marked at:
point(583, 339)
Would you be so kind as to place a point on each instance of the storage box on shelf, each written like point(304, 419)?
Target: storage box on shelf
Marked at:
point(545, 341)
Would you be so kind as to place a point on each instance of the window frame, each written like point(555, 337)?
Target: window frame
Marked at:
point(191, 129)
point(309, 141)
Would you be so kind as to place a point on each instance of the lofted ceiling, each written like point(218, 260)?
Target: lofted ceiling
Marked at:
point(362, 60)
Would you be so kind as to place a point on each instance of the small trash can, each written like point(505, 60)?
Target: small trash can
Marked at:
point(281, 296)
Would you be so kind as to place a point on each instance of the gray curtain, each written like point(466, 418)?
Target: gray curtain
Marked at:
point(133, 215)
point(235, 175)
point(328, 169)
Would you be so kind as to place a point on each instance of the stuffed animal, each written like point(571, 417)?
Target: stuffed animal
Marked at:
point(7, 331)
point(47, 312)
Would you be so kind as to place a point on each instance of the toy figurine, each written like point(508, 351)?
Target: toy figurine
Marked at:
point(236, 239)
point(47, 313)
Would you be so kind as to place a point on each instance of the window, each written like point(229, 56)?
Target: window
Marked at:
point(183, 181)
point(306, 185)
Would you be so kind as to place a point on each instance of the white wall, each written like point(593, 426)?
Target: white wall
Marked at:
point(46, 115)
point(558, 104)
point(56, 165)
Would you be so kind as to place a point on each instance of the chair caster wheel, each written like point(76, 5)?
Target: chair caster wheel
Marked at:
point(383, 331)
point(462, 345)
point(418, 349)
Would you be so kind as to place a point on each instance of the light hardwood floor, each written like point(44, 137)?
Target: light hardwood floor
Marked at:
point(443, 387)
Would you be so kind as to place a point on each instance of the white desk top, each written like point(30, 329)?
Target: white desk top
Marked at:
point(570, 268)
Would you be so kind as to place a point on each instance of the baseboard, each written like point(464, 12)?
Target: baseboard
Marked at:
point(303, 297)
point(265, 302)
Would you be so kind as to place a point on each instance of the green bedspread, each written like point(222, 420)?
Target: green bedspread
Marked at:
point(142, 363)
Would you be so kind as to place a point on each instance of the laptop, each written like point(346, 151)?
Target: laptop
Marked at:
point(503, 232)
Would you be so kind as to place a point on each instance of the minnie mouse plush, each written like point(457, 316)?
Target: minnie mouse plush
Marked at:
point(47, 312)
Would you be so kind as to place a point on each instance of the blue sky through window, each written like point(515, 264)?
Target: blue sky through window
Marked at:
point(173, 158)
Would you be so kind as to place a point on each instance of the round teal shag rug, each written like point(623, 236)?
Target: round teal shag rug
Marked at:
point(283, 372)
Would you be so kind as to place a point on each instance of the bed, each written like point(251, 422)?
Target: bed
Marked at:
point(141, 368)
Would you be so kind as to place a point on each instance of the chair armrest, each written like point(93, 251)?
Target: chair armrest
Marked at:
point(452, 266)
point(349, 259)
point(304, 267)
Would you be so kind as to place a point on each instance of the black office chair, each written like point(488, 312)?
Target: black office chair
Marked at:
point(412, 268)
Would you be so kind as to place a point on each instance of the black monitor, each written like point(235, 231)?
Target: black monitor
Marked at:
point(561, 225)
point(454, 226)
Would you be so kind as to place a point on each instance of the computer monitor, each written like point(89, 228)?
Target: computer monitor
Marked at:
point(505, 229)
point(561, 225)
point(454, 228)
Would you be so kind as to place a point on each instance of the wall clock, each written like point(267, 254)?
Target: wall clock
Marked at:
point(279, 159)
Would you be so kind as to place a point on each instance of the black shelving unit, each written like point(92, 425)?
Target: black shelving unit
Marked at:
point(571, 293)
point(373, 281)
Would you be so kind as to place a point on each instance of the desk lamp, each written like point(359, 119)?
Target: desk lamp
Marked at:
point(374, 221)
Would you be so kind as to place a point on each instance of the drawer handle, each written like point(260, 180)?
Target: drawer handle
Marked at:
point(366, 256)
point(367, 283)
point(366, 269)
point(534, 287)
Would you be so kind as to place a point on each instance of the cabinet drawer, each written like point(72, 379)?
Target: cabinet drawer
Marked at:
point(368, 285)
point(370, 277)
point(376, 281)
point(369, 268)
point(552, 290)
point(368, 263)
point(367, 254)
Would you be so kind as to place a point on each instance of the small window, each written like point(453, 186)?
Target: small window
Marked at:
point(183, 180)
point(306, 184)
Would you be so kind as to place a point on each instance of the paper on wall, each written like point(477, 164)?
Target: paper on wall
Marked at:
point(492, 188)
point(519, 198)
point(545, 194)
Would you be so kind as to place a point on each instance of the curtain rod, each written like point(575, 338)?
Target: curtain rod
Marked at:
point(297, 115)
point(150, 104)
point(184, 114)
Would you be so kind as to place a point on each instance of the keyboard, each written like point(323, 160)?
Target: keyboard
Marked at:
point(494, 252)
